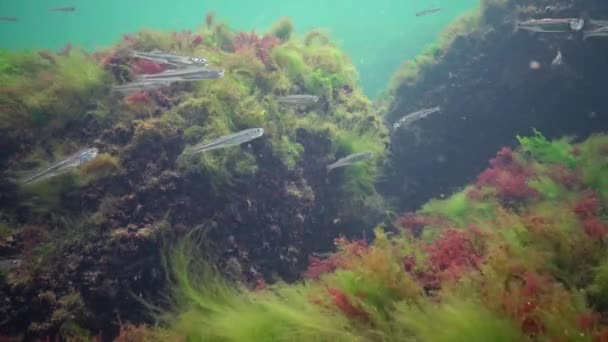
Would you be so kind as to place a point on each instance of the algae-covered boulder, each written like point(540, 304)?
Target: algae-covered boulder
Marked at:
point(94, 232)
point(484, 77)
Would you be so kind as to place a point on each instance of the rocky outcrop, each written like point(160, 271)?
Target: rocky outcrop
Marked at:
point(491, 85)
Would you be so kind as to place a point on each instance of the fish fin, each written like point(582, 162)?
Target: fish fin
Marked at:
point(515, 26)
point(586, 35)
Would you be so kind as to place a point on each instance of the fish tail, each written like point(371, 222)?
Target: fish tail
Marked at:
point(587, 34)
point(515, 27)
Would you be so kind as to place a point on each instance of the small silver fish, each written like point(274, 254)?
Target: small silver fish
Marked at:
point(558, 60)
point(227, 141)
point(415, 116)
point(551, 25)
point(136, 86)
point(71, 162)
point(170, 58)
point(428, 11)
point(63, 9)
point(9, 19)
point(184, 75)
point(297, 99)
point(9, 264)
point(350, 159)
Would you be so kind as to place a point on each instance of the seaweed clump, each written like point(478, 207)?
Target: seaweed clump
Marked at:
point(469, 267)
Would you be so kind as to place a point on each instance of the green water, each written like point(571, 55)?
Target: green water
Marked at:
point(378, 35)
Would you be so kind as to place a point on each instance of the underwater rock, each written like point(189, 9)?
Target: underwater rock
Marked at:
point(264, 205)
point(488, 94)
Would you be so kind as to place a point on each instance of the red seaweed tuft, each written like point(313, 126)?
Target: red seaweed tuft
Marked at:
point(342, 302)
point(244, 41)
point(197, 40)
point(452, 254)
point(509, 178)
point(588, 206)
point(318, 266)
point(565, 176)
point(139, 97)
point(589, 321)
point(594, 228)
point(143, 66)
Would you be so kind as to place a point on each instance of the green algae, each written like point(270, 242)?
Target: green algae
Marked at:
point(460, 209)
point(503, 275)
point(211, 309)
point(45, 92)
point(557, 151)
point(456, 320)
point(283, 29)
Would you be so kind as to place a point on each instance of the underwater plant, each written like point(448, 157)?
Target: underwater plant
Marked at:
point(499, 274)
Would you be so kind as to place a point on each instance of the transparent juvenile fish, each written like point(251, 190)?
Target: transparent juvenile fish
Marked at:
point(552, 25)
point(136, 86)
point(558, 60)
point(67, 164)
point(184, 75)
point(63, 9)
point(227, 140)
point(9, 19)
point(428, 11)
point(298, 99)
point(415, 116)
point(350, 159)
point(9, 264)
point(168, 58)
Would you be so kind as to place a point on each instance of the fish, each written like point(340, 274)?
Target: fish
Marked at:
point(184, 75)
point(297, 99)
point(63, 9)
point(9, 264)
point(168, 58)
point(350, 159)
point(9, 19)
point(415, 116)
point(558, 60)
point(227, 140)
point(428, 11)
point(136, 86)
point(551, 25)
point(67, 164)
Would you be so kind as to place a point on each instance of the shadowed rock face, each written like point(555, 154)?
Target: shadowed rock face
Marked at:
point(488, 93)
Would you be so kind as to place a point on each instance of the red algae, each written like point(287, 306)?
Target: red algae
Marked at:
point(197, 40)
point(565, 176)
point(588, 206)
point(143, 66)
point(342, 302)
point(244, 41)
point(139, 97)
point(594, 228)
point(318, 267)
point(452, 254)
point(509, 178)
